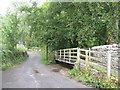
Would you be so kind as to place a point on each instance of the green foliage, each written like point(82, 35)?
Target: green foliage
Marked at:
point(68, 24)
point(44, 61)
point(21, 48)
point(98, 69)
point(72, 24)
point(89, 78)
point(82, 25)
point(9, 26)
point(12, 59)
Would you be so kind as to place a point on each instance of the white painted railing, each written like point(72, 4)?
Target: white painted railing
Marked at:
point(88, 59)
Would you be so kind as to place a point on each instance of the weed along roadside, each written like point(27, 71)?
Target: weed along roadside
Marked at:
point(89, 78)
point(13, 60)
point(13, 57)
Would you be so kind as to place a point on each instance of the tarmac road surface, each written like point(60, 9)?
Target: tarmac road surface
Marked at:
point(33, 74)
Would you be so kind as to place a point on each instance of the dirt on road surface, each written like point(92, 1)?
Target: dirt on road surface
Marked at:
point(32, 74)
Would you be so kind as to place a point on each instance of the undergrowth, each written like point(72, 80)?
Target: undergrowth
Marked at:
point(12, 60)
point(98, 81)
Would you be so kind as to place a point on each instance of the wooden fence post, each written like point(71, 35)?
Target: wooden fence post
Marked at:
point(86, 60)
point(89, 54)
point(60, 54)
point(78, 58)
point(108, 64)
point(64, 54)
point(69, 55)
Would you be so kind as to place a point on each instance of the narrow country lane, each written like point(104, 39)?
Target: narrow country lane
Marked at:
point(32, 74)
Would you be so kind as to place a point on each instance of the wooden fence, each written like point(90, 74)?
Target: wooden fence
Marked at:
point(89, 59)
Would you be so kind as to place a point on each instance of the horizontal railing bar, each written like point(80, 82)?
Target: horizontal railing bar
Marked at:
point(82, 55)
point(68, 52)
point(68, 49)
point(67, 56)
point(70, 59)
point(83, 50)
point(97, 52)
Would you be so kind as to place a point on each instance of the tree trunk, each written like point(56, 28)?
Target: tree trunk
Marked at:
point(47, 52)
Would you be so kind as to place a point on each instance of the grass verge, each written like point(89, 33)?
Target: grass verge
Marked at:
point(98, 81)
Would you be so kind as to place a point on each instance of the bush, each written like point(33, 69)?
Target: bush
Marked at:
point(11, 59)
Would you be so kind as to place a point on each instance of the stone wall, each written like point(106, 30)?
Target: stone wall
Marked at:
point(114, 49)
